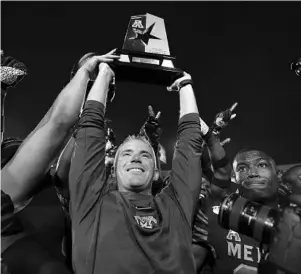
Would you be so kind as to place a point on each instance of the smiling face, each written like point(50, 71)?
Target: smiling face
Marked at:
point(255, 172)
point(135, 166)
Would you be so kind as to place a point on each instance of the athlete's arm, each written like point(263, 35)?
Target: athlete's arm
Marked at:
point(87, 175)
point(186, 173)
point(32, 160)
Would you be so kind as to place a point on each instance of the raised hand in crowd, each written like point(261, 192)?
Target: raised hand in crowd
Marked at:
point(226, 141)
point(32, 160)
point(215, 162)
point(223, 118)
point(21, 173)
point(152, 128)
point(216, 179)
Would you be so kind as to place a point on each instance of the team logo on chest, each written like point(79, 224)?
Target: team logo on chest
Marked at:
point(146, 221)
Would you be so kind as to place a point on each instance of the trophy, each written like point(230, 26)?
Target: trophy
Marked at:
point(145, 55)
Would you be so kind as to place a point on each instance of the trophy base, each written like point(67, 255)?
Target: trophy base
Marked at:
point(146, 68)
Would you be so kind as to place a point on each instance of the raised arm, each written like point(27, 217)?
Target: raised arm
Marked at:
point(32, 160)
point(186, 174)
point(87, 175)
point(217, 154)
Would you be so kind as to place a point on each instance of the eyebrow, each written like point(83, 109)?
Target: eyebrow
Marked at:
point(262, 159)
point(241, 164)
point(246, 163)
point(127, 150)
point(141, 152)
point(145, 151)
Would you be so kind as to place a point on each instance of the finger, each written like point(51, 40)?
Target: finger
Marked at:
point(158, 115)
point(111, 56)
point(233, 106)
point(233, 116)
point(151, 111)
point(103, 66)
point(105, 60)
point(112, 51)
point(225, 141)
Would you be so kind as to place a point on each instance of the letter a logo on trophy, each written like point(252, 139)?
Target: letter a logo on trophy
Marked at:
point(145, 55)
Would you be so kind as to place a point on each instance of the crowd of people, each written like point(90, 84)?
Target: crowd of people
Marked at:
point(125, 214)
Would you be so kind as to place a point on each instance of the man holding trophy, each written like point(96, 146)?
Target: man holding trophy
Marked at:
point(129, 230)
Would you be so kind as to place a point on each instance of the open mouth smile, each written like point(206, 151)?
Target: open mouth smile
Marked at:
point(135, 170)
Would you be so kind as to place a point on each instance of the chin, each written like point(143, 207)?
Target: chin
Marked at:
point(254, 194)
point(138, 188)
point(138, 185)
point(258, 195)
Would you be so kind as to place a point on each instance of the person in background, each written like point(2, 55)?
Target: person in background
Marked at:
point(23, 173)
point(216, 179)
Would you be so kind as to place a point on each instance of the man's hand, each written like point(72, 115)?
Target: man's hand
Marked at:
point(223, 118)
point(91, 63)
point(106, 73)
point(226, 141)
point(152, 127)
point(180, 82)
point(102, 83)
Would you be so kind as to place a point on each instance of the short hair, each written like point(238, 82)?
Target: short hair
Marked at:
point(286, 175)
point(245, 150)
point(293, 168)
point(135, 137)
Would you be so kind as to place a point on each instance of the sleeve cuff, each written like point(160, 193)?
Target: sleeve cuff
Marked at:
point(190, 117)
point(91, 104)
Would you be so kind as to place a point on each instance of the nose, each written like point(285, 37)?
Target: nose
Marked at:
point(253, 173)
point(136, 159)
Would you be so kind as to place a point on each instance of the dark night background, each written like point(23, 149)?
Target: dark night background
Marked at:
point(235, 52)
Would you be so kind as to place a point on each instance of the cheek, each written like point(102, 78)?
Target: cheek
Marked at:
point(119, 167)
point(150, 164)
point(265, 173)
point(240, 177)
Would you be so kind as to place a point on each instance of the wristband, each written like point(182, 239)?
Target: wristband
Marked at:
point(181, 82)
point(185, 83)
point(220, 163)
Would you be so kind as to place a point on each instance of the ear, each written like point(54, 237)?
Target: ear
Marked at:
point(113, 174)
point(156, 175)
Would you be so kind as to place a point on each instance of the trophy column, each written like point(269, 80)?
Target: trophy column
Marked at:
point(145, 55)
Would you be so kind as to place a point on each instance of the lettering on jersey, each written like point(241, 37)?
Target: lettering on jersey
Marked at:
point(232, 235)
point(242, 251)
point(146, 221)
point(234, 250)
point(137, 24)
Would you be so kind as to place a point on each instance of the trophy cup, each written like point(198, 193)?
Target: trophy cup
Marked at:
point(145, 55)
